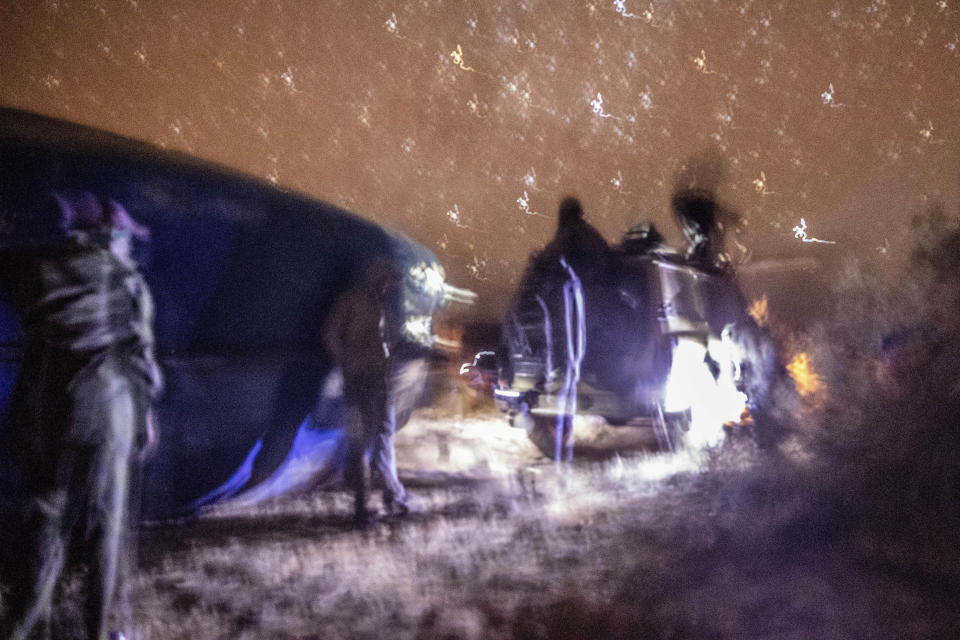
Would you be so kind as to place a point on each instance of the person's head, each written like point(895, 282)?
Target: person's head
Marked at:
point(105, 218)
point(571, 213)
point(696, 212)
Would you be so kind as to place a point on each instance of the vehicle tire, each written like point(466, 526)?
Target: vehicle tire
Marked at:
point(543, 434)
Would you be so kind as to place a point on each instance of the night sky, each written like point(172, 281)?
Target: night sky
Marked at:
point(463, 124)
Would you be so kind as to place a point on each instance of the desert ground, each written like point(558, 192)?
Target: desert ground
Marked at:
point(504, 543)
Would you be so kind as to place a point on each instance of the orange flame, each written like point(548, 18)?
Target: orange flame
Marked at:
point(759, 311)
point(804, 377)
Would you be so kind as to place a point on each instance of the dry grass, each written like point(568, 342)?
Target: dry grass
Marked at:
point(496, 528)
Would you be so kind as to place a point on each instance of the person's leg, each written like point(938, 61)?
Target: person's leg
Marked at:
point(108, 483)
point(384, 456)
point(354, 472)
point(43, 547)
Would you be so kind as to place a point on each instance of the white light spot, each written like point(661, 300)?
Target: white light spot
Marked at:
point(597, 104)
point(760, 185)
point(800, 232)
point(828, 99)
point(524, 203)
point(617, 182)
point(530, 178)
point(646, 102)
point(454, 216)
point(620, 6)
point(476, 268)
point(457, 56)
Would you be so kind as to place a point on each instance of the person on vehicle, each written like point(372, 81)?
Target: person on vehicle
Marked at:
point(698, 211)
point(577, 241)
point(80, 409)
point(362, 335)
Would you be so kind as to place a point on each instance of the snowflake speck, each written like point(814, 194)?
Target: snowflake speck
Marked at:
point(617, 182)
point(620, 6)
point(701, 63)
point(800, 232)
point(827, 97)
point(760, 185)
point(597, 104)
point(476, 268)
point(646, 102)
point(530, 179)
point(457, 56)
point(454, 216)
point(524, 204)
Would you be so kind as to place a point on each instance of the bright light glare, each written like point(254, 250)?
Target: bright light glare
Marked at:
point(686, 375)
point(711, 402)
point(428, 277)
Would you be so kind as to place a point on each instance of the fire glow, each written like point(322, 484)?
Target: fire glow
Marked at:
point(805, 379)
point(760, 312)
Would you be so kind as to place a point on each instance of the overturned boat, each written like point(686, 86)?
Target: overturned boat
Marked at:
point(243, 275)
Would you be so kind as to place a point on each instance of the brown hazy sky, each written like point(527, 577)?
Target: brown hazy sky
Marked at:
point(462, 124)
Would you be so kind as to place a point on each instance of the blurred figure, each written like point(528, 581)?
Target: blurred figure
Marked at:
point(548, 317)
point(578, 241)
point(80, 410)
point(362, 335)
point(698, 211)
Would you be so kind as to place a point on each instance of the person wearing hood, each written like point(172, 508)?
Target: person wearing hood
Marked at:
point(81, 409)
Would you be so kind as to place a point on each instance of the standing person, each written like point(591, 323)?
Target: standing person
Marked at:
point(81, 408)
point(558, 287)
point(361, 335)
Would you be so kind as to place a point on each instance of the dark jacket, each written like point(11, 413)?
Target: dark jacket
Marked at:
point(87, 331)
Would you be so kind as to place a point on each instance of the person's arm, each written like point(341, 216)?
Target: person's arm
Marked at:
point(146, 360)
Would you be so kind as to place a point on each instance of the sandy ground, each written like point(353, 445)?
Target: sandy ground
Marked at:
point(503, 543)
